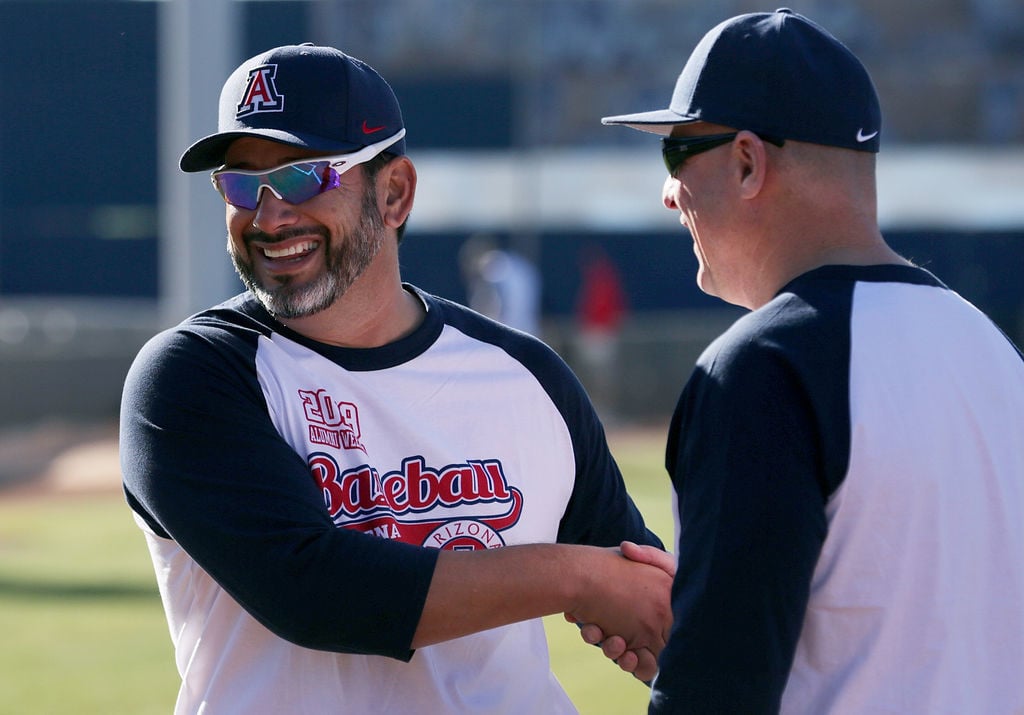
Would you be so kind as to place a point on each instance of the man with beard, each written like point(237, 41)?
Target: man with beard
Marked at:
point(326, 465)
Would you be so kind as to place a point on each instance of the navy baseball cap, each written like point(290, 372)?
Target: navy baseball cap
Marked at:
point(774, 73)
point(302, 95)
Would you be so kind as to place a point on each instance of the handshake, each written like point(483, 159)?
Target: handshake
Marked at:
point(628, 613)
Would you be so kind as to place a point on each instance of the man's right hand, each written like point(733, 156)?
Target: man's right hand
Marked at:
point(641, 662)
point(630, 598)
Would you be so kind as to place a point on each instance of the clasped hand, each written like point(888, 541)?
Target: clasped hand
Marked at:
point(632, 653)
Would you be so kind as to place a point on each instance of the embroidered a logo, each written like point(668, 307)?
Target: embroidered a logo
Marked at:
point(261, 93)
point(332, 424)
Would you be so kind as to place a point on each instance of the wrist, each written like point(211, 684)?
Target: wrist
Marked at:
point(576, 572)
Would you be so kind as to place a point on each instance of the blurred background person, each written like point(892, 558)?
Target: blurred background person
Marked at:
point(601, 307)
point(501, 283)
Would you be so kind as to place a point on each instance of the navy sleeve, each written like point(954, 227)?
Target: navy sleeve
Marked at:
point(756, 445)
point(204, 466)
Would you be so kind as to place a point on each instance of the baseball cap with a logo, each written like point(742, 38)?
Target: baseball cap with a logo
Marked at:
point(303, 95)
point(778, 74)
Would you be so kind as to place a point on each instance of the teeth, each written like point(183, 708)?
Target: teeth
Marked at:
point(295, 250)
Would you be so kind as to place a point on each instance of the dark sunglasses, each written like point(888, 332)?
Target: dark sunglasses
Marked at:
point(295, 181)
point(676, 150)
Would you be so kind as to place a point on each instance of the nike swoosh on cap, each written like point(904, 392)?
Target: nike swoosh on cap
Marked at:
point(371, 130)
point(862, 137)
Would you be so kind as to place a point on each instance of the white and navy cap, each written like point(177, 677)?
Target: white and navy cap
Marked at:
point(302, 95)
point(774, 73)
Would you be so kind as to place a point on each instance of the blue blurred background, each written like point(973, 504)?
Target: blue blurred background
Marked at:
point(102, 242)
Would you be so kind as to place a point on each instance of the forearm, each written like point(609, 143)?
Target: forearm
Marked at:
point(479, 590)
point(473, 591)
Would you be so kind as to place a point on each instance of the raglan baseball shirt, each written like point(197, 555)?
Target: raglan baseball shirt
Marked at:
point(286, 489)
point(848, 463)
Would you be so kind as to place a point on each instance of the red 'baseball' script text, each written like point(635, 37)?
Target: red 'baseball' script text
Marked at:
point(415, 487)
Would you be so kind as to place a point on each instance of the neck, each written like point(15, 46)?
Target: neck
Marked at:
point(852, 247)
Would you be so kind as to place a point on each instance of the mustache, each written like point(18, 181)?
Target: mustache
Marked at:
point(255, 235)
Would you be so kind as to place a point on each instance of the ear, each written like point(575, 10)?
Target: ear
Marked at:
point(752, 161)
point(398, 190)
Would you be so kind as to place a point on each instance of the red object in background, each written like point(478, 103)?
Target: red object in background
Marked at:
point(602, 301)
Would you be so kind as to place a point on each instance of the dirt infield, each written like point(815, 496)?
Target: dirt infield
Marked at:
point(63, 456)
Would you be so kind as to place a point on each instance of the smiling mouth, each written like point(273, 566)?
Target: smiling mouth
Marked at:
point(294, 251)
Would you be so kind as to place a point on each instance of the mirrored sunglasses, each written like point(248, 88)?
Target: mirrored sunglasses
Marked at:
point(295, 181)
point(676, 150)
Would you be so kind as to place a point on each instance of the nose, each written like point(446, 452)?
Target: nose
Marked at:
point(272, 212)
point(668, 191)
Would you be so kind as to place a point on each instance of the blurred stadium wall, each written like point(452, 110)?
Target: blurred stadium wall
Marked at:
point(103, 242)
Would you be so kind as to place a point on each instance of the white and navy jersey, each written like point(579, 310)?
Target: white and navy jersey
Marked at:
point(286, 489)
point(848, 465)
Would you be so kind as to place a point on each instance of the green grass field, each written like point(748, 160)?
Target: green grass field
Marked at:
point(84, 632)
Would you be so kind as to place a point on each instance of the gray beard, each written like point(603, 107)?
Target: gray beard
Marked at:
point(286, 299)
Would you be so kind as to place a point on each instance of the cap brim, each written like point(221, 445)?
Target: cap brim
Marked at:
point(660, 121)
point(208, 152)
